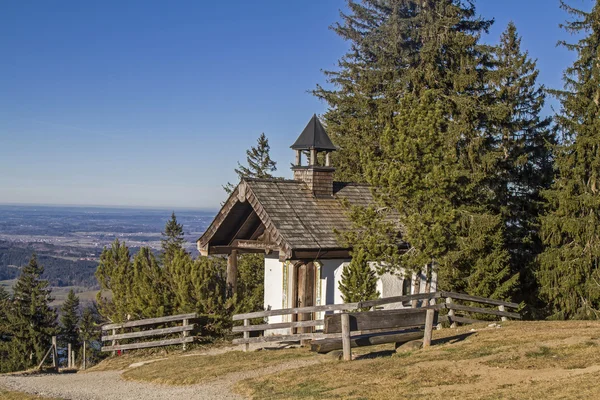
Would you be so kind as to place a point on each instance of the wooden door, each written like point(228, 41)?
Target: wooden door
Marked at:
point(305, 293)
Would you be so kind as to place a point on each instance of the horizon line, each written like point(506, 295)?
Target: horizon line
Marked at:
point(150, 208)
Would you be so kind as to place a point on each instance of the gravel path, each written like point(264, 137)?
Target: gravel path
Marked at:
point(108, 385)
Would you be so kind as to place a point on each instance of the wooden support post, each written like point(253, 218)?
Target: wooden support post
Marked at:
point(298, 158)
point(313, 157)
point(246, 335)
point(501, 308)
point(451, 313)
point(232, 272)
point(346, 337)
point(46, 356)
point(54, 353)
point(328, 159)
point(114, 342)
point(69, 356)
point(83, 360)
point(416, 290)
point(429, 317)
point(185, 334)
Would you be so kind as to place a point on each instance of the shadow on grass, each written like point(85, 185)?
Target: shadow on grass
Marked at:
point(452, 339)
point(389, 353)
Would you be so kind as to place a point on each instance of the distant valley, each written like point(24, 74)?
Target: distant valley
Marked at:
point(68, 240)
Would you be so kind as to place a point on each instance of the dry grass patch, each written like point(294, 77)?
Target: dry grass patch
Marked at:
point(521, 360)
point(192, 369)
point(10, 395)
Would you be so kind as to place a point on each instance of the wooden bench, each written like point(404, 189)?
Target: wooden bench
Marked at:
point(377, 327)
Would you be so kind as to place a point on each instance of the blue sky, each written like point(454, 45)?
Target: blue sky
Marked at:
point(152, 103)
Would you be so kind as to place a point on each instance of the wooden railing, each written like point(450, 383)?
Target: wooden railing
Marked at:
point(426, 300)
point(117, 332)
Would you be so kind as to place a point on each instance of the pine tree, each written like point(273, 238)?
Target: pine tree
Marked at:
point(32, 320)
point(259, 162)
point(359, 280)
point(115, 275)
point(524, 140)
point(173, 238)
point(569, 274)
point(422, 78)
point(150, 294)
point(70, 321)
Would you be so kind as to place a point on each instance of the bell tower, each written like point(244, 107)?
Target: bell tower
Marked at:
point(312, 141)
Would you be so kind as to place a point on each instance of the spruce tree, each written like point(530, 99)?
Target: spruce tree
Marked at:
point(5, 309)
point(524, 140)
point(32, 320)
point(422, 76)
point(260, 164)
point(569, 274)
point(173, 238)
point(359, 280)
point(69, 320)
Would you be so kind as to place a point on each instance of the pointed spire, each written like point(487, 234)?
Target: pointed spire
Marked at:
point(314, 137)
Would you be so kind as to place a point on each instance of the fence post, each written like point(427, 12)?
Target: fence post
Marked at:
point(114, 342)
point(185, 334)
point(83, 361)
point(246, 335)
point(69, 356)
point(54, 354)
point(429, 317)
point(346, 337)
point(501, 308)
point(451, 313)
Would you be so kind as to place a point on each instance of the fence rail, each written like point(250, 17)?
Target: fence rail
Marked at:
point(184, 329)
point(428, 301)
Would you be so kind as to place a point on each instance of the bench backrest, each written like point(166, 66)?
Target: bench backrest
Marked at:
point(384, 319)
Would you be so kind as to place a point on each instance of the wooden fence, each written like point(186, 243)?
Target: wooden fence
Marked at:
point(457, 314)
point(116, 332)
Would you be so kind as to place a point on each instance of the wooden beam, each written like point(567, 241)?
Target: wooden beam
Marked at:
point(149, 321)
point(476, 299)
point(385, 319)
point(232, 272)
point(144, 345)
point(297, 310)
point(399, 299)
point(490, 311)
point(330, 344)
point(282, 325)
point(253, 244)
point(153, 332)
point(284, 338)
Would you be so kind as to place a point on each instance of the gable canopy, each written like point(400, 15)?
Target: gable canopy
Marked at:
point(265, 215)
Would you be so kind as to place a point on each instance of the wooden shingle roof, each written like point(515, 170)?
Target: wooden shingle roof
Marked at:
point(296, 221)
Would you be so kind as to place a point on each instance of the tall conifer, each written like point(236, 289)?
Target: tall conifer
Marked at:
point(260, 164)
point(421, 76)
point(32, 320)
point(172, 238)
point(523, 140)
point(570, 273)
point(69, 320)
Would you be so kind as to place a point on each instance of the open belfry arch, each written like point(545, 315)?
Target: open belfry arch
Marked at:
point(293, 222)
